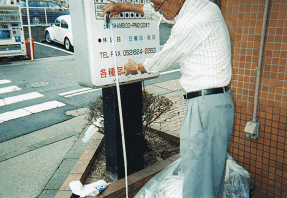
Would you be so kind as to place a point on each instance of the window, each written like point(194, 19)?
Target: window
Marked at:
point(53, 5)
point(31, 3)
point(57, 22)
point(64, 24)
point(42, 4)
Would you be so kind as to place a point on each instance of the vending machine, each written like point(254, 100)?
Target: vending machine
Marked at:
point(12, 41)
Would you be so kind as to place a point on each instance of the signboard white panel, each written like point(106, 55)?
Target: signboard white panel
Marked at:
point(134, 37)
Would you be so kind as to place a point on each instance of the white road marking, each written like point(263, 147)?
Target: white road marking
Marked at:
point(9, 89)
point(19, 98)
point(29, 110)
point(55, 48)
point(13, 115)
point(168, 72)
point(81, 93)
point(74, 91)
point(5, 81)
point(44, 106)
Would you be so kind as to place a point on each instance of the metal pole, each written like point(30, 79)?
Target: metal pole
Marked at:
point(46, 16)
point(259, 65)
point(29, 29)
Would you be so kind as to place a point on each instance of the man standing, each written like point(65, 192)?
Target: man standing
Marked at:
point(200, 43)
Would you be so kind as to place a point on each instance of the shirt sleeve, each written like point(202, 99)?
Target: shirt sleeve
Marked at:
point(182, 41)
point(149, 13)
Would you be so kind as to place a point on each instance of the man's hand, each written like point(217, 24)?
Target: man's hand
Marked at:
point(117, 8)
point(130, 68)
point(114, 8)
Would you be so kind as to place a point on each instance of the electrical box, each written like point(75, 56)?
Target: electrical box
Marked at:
point(252, 129)
point(134, 37)
point(12, 42)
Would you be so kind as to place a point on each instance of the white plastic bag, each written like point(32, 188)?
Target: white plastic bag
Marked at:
point(168, 183)
point(163, 183)
point(92, 189)
point(236, 184)
point(92, 130)
point(171, 187)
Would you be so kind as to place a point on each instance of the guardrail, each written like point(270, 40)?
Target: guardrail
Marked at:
point(42, 16)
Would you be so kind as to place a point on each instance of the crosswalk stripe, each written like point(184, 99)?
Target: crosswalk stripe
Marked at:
point(9, 89)
point(19, 98)
point(29, 110)
point(10, 115)
point(44, 106)
point(5, 81)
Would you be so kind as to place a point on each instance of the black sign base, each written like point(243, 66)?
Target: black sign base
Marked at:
point(131, 96)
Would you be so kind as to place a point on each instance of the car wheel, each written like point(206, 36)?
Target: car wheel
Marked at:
point(35, 20)
point(47, 37)
point(67, 44)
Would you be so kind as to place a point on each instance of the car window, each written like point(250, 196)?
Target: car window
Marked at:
point(53, 5)
point(64, 24)
point(42, 4)
point(31, 3)
point(57, 22)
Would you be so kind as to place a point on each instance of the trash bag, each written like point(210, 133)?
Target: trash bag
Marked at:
point(92, 189)
point(168, 183)
point(237, 180)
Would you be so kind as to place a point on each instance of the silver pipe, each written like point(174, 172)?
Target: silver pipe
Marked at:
point(260, 57)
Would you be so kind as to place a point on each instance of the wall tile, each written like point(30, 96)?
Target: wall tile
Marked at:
point(265, 158)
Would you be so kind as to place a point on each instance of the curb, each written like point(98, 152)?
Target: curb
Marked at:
point(82, 167)
point(117, 189)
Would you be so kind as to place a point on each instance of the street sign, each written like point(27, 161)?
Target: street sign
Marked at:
point(134, 37)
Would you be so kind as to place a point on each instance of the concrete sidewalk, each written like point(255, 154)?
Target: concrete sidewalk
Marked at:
point(37, 164)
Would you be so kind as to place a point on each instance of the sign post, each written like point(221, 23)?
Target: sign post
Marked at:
point(131, 95)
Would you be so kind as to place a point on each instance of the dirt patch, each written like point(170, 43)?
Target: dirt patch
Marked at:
point(159, 149)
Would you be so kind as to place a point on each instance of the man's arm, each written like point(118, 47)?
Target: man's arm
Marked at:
point(117, 8)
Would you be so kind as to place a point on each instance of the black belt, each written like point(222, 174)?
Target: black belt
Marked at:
point(194, 94)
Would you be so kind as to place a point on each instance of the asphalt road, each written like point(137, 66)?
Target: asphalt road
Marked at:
point(50, 85)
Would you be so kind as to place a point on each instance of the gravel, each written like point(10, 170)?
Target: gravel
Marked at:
point(159, 149)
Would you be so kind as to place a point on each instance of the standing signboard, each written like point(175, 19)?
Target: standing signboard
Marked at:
point(134, 36)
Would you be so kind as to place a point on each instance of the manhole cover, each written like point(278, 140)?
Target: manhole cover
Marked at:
point(39, 84)
point(33, 84)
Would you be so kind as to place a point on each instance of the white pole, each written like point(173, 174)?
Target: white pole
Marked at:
point(120, 111)
point(29, 29)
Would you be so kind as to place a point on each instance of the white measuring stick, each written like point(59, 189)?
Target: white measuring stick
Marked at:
point(120, 110)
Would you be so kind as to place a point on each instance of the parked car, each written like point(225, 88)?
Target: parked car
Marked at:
point(42, 12)
point(61, 32)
